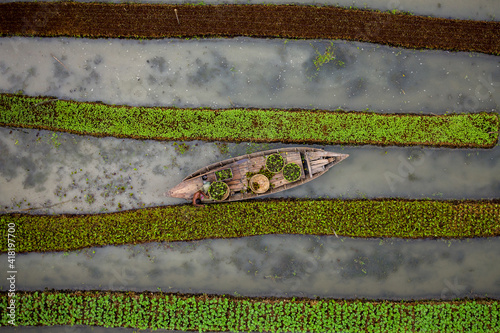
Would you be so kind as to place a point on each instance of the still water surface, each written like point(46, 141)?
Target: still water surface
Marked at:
point(53, 173)
point(276, 265)
point(246, 72)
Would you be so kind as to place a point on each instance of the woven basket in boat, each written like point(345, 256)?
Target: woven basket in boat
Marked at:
point(262, 181)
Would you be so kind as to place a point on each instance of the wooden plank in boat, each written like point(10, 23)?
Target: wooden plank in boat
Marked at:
point(211, 177)
point(280, 182)
point(313, 155)
point(256, 163)
point(244, 169)
point(319, 162)
point(318, 168)
point(292, 157)
point(238, 182)
point(236, 185)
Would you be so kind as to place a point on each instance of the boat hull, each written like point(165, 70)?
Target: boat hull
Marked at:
point(313, 163)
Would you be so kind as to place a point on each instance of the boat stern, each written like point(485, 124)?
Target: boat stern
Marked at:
point(175, 192)
point(185, 189)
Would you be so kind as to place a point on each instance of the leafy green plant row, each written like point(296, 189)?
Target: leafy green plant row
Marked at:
point(356, 218)
point(258, 125)
point(222, 313)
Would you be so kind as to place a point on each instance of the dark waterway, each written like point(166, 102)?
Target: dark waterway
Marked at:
point(54, 173)
point(277, 265)
point(246, 72)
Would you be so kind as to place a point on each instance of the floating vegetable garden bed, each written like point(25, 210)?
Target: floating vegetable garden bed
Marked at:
point(287, 21)
point(257, 125)
point(356, 218)
point(205, 313)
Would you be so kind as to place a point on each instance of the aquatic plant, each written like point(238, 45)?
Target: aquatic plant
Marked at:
point(323, 58)
point(353, 218)
point(326, 57)
point(222, 146)
point(89, 198)
point(54, 140)
point(256, 125)
point(205, 313)
point(291, 172)
point(181, 147)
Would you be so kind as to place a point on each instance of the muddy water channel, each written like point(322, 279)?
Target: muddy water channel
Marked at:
point(53, 173)
point(246, 72)
point(277, 265)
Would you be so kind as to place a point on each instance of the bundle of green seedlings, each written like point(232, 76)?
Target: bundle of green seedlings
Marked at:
point(205, 313)
point(256, 125)
point(356, 218)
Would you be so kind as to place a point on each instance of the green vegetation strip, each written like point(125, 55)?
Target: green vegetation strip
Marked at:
point(205, 313)
point(356, 218)
point(257, 125)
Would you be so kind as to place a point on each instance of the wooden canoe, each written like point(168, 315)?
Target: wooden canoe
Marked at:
point(313, 163)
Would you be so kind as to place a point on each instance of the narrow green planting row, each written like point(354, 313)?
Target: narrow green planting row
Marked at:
point(356, 218)
point(205, 313)
point(258, 125)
